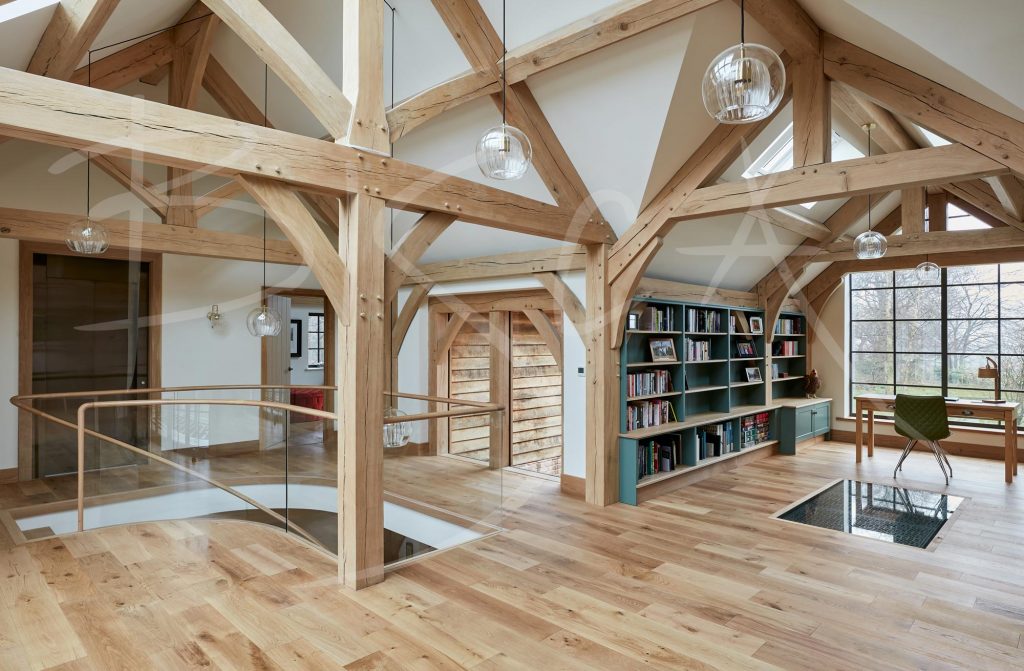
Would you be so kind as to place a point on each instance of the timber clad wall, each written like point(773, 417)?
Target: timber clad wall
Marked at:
point(536, 391)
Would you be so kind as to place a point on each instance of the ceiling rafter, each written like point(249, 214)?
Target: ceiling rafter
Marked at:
point(67, 38)
point(600, 29)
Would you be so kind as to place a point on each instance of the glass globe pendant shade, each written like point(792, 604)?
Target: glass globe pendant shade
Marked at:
point(263, 322)
point(744, 84)
point(504, 152)
point(870, 245)
point(396, 434)
point(928, 273)
point(87, 237)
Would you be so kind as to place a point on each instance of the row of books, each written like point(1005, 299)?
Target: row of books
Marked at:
point(643, 414)
point(703, 321)
point(714, 440)
point(661, 454)
point(786, 348)
point(698, 350)
point(645, 384)
point(785, 326)
point(653, 319)
point(755, 429)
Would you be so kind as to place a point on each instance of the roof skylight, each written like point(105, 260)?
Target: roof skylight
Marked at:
point(17, 8)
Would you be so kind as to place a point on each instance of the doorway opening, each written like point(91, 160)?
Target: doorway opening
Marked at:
point(504, 348)
point(86, 325)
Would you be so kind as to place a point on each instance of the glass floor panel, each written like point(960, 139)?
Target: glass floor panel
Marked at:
point(892, 514)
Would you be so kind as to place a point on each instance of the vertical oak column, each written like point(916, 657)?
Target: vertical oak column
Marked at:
point(812, 112)
point(602, 384)
point(499, 338)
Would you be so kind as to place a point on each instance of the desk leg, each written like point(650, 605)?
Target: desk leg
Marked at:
point(1010, 456)
point(871, 433)
point(860, 432)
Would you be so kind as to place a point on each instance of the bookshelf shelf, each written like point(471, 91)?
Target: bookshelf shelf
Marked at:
point(667, 394)
point(717, 409)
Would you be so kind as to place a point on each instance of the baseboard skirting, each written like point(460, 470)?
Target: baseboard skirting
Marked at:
point(994, 452)
point(574, 486)
point(8, 475)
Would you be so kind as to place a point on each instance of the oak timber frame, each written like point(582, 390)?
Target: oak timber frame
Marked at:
point(349, 183)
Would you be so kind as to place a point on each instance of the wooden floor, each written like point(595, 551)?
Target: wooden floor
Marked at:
point(701, 579)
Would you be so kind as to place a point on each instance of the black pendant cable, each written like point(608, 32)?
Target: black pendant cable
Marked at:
point(868, 127)
point(391, 241)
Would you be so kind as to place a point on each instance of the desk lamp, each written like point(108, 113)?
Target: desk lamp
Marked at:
point(990, 371)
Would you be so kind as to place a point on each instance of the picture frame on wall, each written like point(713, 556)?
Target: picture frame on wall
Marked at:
point(662, 350)
point(754, 374)
point(756, 325)
point(295, 338)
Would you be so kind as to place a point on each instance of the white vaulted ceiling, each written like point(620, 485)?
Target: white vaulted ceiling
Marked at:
point(628, 115)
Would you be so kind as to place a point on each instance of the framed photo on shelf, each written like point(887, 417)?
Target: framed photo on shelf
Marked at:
point(756, 325)
point(295, 338)
point(745, 350)
point(753, 374)
point(662, 350)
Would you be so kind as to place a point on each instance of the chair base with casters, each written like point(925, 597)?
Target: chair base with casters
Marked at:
point(923, 418)
point(937, 451)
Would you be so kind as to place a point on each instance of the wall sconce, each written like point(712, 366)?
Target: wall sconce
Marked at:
point(990, 371)
point(213, 315)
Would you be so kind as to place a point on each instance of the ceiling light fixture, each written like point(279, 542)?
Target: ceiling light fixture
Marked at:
point(262, 321)
point(504, 152)
point(870, 244)
point(86, 236)
point(744, 83)
point(928, 272)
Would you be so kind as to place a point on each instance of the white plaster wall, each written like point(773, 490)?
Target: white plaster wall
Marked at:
point(8, 352)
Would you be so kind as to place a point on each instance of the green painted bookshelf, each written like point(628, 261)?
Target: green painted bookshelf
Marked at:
point(697, 389)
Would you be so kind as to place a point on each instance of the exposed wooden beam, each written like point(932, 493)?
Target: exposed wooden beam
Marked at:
point(912, 205)
point(217, 198)
point(841, 179)
point(127, 65)
point(1010, 193)
point(71, 31)
point(59, 113)
point(791, 222)
point(417, 299)
point(932, 243)
point(121, 171)
point(604, 27)
point(547, 332)
point(407, 251)
point(566, 299)
point(363, 74)
point(276, 47)
point(704, 166)
point(928, 103)
point(570, 257)
point(787, 21)
point(981, 197)
point(602, 403)
point(937, 203)
point(446, 338)
point(33, 226)
point(284, 207)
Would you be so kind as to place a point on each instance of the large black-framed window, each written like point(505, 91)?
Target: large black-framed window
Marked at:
point(911, 337)
point(315, 340)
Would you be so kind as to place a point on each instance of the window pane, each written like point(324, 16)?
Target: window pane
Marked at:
point(871, 336)
point(923, 369)
point(859, 389)
point(963, 371)
point(1012, 372)
point(871, 280)
point(871, 304)
point(1011, 300)
point(1012, 334)
point(320, 343)
point(972, 274)
point(920, 391)
point(972, 302)
point(919, 336)
point(872, 368)
point(908, 278)
point(973, 336)
point(311, 340)
point(925, 303)
point(1015, 397)
point(1011, 272)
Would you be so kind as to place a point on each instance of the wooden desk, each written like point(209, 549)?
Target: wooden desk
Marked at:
point(1004, 412)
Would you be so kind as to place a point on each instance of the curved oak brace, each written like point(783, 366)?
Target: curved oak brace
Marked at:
point(295, 221)
point(451, 330)
point(547, 331)
point(623, 288)
point(566, 299)
point(402, 260)
point(417, 297)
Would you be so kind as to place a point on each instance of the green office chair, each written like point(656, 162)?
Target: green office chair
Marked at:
point(923, 418)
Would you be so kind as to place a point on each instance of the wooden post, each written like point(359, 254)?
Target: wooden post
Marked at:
point(937, 211)
point(812, 112)
point(500, 381)
point(912, 202)
point(602, 384)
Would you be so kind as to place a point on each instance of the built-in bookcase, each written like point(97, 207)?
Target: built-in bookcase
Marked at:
point(709, 403)
point(789, 355)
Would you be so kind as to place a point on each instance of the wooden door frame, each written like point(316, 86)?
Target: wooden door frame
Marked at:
point(26, 463)
point(440, 309)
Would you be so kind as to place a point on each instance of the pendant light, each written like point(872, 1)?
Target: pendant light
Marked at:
point(745, 82)
point(928, 272)
point(87, 236)
point(504, 152)
point(870, 244)
point(263, 322)
point(397, 433)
